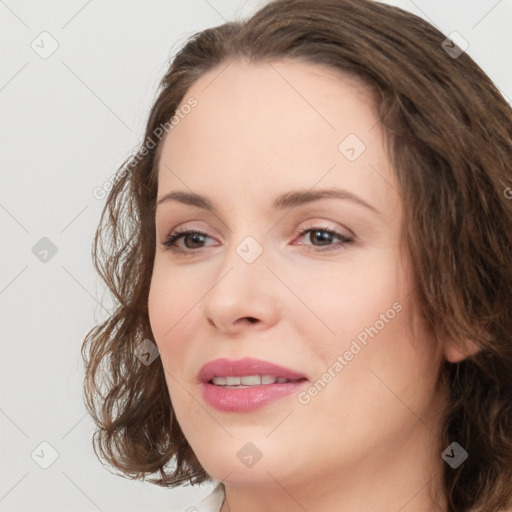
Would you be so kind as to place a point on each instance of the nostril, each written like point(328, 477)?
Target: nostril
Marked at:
point(251, 319)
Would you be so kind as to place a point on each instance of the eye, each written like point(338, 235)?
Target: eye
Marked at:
point(323, 237)
point(192, 239)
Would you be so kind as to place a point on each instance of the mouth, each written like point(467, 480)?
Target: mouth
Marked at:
point(246, 384)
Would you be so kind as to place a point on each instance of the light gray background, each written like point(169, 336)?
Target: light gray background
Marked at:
point(68, 122)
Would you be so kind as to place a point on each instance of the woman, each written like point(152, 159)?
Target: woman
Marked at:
point(311, 258)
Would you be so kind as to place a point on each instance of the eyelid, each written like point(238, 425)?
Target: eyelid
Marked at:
point(323, 225)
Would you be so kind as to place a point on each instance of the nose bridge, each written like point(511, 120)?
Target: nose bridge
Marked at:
point(243, 272)
point(243, 288)
point(248, 248)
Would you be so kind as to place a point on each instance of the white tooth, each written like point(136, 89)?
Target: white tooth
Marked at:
point(250, 380)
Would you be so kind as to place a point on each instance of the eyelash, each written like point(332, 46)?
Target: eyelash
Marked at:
point(180, 233)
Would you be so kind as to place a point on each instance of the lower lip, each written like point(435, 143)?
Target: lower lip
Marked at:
point(247, 399)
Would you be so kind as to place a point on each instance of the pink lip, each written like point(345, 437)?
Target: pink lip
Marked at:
point(250, 398)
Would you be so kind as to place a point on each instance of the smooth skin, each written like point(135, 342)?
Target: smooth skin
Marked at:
point(369, 439)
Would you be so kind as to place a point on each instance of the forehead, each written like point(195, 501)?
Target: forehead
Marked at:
point(279, 124)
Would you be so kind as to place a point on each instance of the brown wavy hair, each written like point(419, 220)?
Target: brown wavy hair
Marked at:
point(448, 134)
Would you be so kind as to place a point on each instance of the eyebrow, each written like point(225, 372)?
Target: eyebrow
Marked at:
point(285, 201)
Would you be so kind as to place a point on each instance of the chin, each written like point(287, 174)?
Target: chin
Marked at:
point(258, 461)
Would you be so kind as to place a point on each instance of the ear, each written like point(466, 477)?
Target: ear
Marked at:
point(455, 351)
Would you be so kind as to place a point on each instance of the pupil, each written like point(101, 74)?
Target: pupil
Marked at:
point(323, 239)
point(196, 239)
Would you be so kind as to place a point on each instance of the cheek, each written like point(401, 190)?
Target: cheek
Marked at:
point(381, 366)
point(370, 392)
point(344, 300)
point(172, 297)
point(171, 307)
point(369, 322)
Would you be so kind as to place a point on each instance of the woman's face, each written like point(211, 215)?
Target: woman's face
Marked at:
point(267, 146)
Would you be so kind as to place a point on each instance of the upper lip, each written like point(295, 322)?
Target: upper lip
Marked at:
point(242, 367)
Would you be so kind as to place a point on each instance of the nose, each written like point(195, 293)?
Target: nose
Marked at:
point(244, 296)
